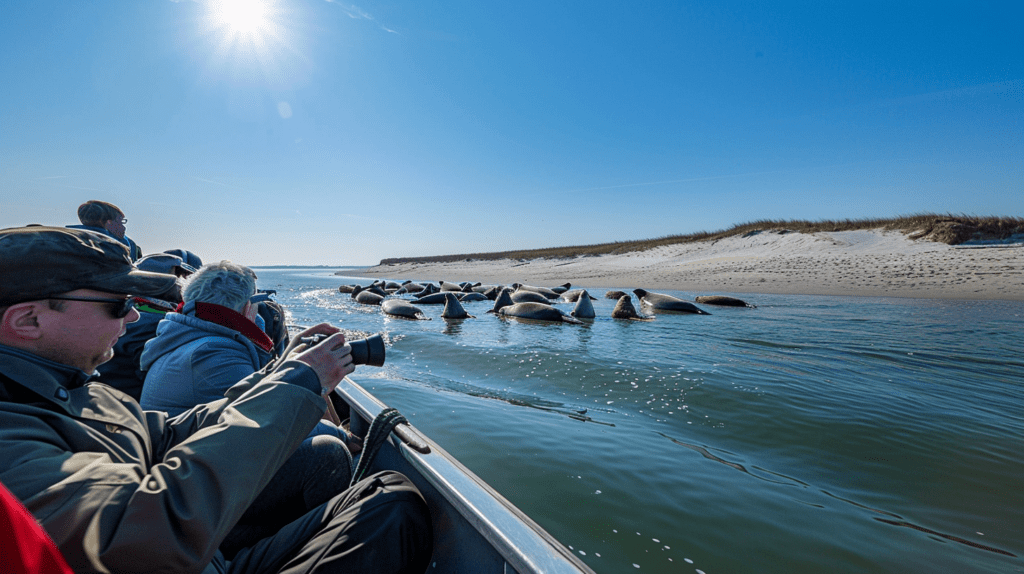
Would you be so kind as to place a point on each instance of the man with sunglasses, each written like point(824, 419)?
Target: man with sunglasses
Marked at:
point(108, 219)
point(120, 489)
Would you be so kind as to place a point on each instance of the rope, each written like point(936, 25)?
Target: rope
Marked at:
point(380, 429)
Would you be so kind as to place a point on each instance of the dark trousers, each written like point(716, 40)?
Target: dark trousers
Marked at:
point(317, 471)
point(380, 525)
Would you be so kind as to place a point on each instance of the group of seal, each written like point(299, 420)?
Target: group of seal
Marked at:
point(521, 301)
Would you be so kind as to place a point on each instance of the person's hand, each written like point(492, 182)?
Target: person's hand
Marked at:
point(331, 360)
point(321, 329)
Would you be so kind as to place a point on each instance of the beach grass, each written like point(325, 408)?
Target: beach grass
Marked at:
point(949, 229)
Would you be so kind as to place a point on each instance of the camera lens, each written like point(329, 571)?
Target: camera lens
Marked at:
point(368, 351)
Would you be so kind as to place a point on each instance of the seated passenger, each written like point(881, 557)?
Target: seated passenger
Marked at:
point(124, 371)
point(211, 344)
point(119, 489)
point(108, 219)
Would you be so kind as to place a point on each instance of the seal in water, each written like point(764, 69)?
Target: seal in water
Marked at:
point(562, 288)
point(504, 299)
point(453, 309)
point(624, 309)
point(366, 297)
point(521, 296)
point(614, 295)
point(662, 302)
point(574, 295)
point(542, 290)
point(723, 300)
point(402, 308)
point(536, 312)
point(584, 308)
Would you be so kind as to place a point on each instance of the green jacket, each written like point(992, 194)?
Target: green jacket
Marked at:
point(120, 489)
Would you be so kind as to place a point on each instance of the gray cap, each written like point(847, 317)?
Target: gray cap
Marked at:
point(42, 261)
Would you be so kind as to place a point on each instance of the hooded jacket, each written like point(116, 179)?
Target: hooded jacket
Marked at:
point(124, 490)
point(192, 361)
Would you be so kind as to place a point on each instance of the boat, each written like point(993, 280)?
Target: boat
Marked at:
point(475, 528)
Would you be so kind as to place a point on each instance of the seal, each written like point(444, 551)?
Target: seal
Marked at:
point(470, 296)
point(366, 297)
point(536, 312)
point(542, 290)
point(562, 288)
point(723, 301)
point(574, 295)
point(521, 296)
point(453, 309)
point(614, 295)
point(662, 302)
point(403, 309)
point(503, 299)
point(446, 286)
point(584, 308)
point(624, 309)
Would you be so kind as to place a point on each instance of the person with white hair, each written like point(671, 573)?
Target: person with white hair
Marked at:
point(202, 351)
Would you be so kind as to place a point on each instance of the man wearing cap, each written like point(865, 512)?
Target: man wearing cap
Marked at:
point(108, 219)
point(120, 489)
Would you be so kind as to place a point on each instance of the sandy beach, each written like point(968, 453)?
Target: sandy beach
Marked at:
point(859, 263)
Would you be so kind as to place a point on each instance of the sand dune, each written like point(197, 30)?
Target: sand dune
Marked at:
point(861, 263)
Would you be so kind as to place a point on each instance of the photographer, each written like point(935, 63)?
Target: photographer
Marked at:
point(120, 489)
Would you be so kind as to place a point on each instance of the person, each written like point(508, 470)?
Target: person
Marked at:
point(24, 546)
point(108, 219)
point(200, 352)
point(120, 489)
point(124, 370)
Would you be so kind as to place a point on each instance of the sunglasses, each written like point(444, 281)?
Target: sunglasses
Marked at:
point(119, 308)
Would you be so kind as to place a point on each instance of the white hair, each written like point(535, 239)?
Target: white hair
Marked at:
point(227, 284)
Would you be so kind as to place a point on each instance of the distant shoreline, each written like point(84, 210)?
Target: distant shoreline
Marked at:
point(872, 263)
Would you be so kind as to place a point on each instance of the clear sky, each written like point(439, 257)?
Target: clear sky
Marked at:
point(327, 132)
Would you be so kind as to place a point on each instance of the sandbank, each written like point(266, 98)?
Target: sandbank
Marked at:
point(872, 263)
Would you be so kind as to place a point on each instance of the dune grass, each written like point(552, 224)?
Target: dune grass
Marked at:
point(949, 229)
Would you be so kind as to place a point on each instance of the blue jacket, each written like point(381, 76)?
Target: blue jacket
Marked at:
point(133, 250)
point(192, 361)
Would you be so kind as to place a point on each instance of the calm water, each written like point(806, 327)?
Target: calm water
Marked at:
point(811, 434)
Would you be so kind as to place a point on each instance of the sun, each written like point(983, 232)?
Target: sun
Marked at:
point(241, 17)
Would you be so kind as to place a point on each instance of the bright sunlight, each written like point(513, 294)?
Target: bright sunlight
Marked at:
point(242, 17)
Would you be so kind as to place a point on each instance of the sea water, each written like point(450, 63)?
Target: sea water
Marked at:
point(808, 434)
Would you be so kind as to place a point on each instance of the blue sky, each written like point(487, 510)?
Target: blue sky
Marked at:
point(327, 132)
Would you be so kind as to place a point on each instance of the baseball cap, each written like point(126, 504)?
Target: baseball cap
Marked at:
point(36, 262)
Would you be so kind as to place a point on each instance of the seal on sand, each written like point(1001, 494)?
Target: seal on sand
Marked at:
point(662, 302)
point(536, 312)
point(453, 309)
point(723, 300)
point(584, 308)
point(624, 309)
point(402, 308)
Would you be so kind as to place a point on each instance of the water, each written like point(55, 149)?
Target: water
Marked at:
point(811, 434)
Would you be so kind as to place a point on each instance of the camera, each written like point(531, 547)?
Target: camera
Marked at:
point(368, 351)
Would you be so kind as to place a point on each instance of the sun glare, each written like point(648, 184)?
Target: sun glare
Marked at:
point(247, 17)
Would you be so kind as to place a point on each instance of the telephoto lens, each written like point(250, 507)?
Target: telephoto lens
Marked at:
point(368, 351)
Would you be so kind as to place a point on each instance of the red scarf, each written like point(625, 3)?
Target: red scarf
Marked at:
point(232, 319)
